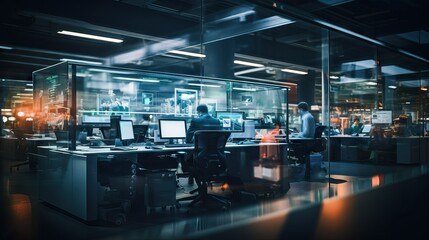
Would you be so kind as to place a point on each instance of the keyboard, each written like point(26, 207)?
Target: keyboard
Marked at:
point(179, 145)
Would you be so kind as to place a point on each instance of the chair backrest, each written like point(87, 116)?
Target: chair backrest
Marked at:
point(209, 146)
point(319, 143)
point(319, 130)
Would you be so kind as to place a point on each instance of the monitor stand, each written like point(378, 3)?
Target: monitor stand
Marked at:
point(118, 142)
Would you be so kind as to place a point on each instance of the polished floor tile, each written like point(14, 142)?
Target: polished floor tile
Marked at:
point(28, 218)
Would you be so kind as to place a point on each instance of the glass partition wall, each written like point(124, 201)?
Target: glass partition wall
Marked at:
point(243, 58)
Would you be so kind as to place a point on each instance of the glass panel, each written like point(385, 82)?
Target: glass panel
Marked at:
point(52, 100)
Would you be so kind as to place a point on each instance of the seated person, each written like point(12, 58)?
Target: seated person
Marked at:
point(400, 127)
point(308, 125)
point(355, 127)
point(204, 121)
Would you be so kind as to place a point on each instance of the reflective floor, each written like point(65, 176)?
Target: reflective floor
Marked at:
point(25, 217)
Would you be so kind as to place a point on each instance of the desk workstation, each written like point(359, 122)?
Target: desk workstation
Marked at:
point(81, 181)
point(70, 179)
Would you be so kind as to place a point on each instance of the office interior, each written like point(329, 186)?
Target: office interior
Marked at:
point(252, 62)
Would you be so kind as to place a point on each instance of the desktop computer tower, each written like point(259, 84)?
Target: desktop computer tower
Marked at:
point(160, 189)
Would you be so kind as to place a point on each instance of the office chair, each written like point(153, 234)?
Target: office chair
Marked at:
point(304, 148)
point(21, 149)
point(209, 165)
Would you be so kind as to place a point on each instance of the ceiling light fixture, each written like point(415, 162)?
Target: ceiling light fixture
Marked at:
point(203, 85)
point(80, 61)
point(90, 36)
point(245, 89)
point(5, 47)
point(294, 71)
point(188, 53)
point(137, 79)
point(392, 87)
point(250, 64)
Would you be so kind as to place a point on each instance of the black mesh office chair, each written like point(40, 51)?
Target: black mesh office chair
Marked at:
point(209, 165)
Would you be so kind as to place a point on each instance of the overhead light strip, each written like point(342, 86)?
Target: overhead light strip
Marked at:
point(137, 79)
point(203, 85)
point(5, 47)
point(250, 64)
point(90, 36)
point(294, 71)
point(188, 53)
point(80, 61)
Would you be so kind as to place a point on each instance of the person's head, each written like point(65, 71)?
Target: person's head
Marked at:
point(302, 107)
point(356, 120)
point(202, 109)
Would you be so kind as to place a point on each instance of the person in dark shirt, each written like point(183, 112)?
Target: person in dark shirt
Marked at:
point(204, 121)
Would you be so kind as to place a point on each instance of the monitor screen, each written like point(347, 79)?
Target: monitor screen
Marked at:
point(126, 130)
point(381, 116)
point(231, 121)
point(366, 128)
point(172, 128)
point(249, 131)
point(427, 127)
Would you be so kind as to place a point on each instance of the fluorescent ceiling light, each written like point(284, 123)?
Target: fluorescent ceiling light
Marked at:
point(6, 110)
point(109, 71)
point(392, 87)
point(371, 83)
point(5, 47)
point(250, 64)
point(249, 71)
point(29, 84)
point(188, 53)
point(334, 77)
point(28, 89)
point(294, 71)
point(203, 85)
point(90, 36)
point(80, 61)
point(245, 89)
point(137, 79)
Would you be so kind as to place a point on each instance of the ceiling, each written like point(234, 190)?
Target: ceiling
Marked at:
point(30, 39)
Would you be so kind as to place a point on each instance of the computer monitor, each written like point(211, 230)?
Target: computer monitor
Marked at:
point(366, 129)
point(172, 128)
point(126, 131)
point(381, 117)
point(231, 121)
point(248, 133)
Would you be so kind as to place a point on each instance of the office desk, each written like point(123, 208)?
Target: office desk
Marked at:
point(406, 150)
point(23, 150)
point(69, 180)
